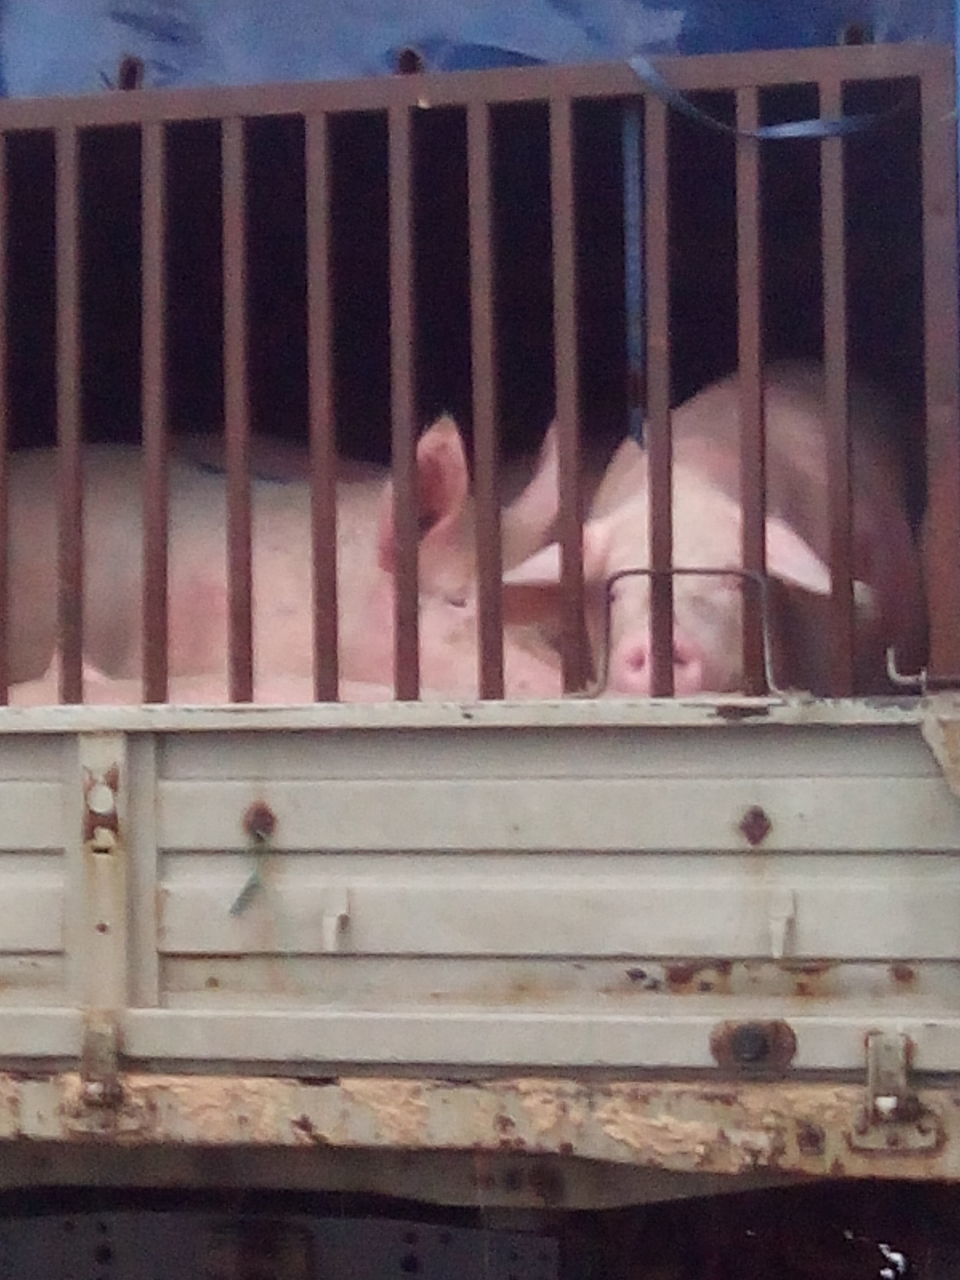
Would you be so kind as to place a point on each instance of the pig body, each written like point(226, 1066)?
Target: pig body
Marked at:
point(707, 534)
point(282, 595)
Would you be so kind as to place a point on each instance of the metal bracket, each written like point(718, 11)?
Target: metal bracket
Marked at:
point(893, 1119)
point(100, 1060)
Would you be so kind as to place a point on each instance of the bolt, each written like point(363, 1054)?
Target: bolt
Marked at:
point(755, 826)
point(750, 1043)
point(259, 821)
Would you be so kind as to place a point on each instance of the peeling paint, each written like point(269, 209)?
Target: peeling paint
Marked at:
point(741, 1129)
point(398, 1107)
point(547, 1108)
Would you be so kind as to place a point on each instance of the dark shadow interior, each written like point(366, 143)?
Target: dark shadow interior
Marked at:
point(884, 267)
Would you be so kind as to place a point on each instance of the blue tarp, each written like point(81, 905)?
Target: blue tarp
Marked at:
point(68, 46)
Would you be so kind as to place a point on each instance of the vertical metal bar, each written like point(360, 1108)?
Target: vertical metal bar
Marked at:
point(154, 392)
point(4, 436)
point(939, 200)
point(750, 356)
point(833, 231)
point(631, 143)
point(69, 461)
point(323, 441)
point(402, 355)
point(570, 522)
point(486, 475)
point(659, 442)
point(237, 413)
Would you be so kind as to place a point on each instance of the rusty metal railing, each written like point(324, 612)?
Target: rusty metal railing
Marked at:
point(478, 95)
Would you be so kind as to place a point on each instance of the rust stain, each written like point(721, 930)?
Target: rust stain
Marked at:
point(259, 821)
point(688, 976)
point(753, 1046)
point(547, 1108)
point(755, 826)
point(691, 1126)
point(398, 1107)
point(739, 711)
point(903, 974)
point(811, 1140)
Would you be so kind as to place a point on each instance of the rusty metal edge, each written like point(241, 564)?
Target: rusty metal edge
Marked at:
point(718, 713)
point(688, 74)
point(723, 1128)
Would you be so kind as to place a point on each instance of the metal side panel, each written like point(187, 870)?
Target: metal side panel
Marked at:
point(493, 887)
point(186, 1245)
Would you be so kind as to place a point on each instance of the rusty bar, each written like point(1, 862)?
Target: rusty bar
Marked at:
point(566, 376)
point(323, 440)
point(237, 414)
point(486, 474)
point(757, 68)
point(4, 437)
point(833, 231)
point(402, 355)
point(939, 197)
point(753, 496)
point(154, 392)
point(69, 426)
point(658, 436)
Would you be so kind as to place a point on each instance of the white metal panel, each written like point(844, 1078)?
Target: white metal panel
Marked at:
point(580, 751)
point(482, 891)
point(570, 813)
point(630, 984)
point(651, 907)
point(530, 1039)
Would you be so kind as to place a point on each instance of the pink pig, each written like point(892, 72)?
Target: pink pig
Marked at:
point(707, 532)
point(281, 576)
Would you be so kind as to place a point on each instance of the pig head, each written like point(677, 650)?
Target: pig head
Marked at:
point(707, 535)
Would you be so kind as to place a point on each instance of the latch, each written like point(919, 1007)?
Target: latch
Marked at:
point(893, 1119)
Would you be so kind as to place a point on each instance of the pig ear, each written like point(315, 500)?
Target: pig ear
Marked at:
point(542, 569)
point(526, 521)
point(442, 488)
point(793, 560)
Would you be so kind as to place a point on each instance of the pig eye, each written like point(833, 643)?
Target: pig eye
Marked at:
point(456, 601)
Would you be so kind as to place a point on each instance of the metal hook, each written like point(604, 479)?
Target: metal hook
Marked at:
point(760, 580)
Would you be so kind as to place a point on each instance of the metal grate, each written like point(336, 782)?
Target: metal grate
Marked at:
point(155, 115)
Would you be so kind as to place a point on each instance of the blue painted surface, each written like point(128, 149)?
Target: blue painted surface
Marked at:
point(68, 46)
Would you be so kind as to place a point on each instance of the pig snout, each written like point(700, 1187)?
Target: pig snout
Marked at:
point(630, 668)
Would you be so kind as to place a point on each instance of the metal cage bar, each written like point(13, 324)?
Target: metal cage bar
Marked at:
point(659, 440)
point(839, 503)
point(402, 374)
point(154, 395)
point(939, 195)
point(566, 381)
point(237, 413)
point(750, 356)
point(69, 425)
point(478, 93)
point(4, 436)
point(322, 425)
point(485, 444)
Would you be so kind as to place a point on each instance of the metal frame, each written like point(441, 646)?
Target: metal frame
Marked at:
point(477, 93)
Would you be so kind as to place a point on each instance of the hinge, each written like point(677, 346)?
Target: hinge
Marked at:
point(893, 1119)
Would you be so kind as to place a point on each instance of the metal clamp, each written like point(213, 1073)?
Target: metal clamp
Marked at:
point(893, 1120)
point(760, 580)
